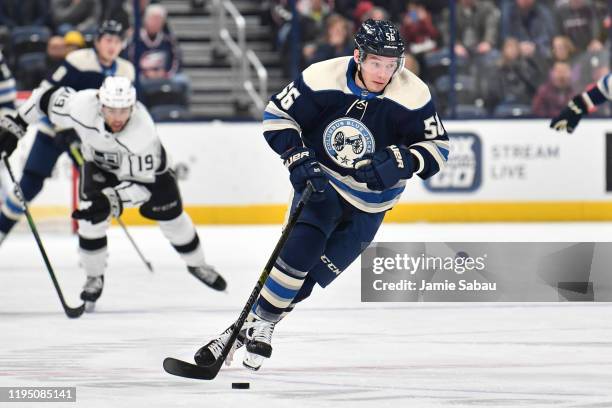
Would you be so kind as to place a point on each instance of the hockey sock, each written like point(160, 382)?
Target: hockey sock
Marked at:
point(11, 212)
point(304, 292)
point(12, 209)
point(183, 236)
point(93, 254)
point(300, 253)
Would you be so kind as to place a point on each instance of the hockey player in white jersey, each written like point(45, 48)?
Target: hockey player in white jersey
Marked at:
point(125, 166)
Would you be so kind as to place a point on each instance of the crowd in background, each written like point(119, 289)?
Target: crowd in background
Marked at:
point(36, 36)
point(513, 57)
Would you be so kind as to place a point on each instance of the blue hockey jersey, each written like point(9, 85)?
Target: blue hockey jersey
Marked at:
point(326, 111)
point(8, 91)
point(80, 70)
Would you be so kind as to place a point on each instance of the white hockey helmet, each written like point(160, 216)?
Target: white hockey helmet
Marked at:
point(117, 92)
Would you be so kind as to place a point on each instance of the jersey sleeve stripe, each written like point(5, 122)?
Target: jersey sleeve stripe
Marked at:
point(272, 109)
point(279, 124)
point(433, 151)
point(420, 159)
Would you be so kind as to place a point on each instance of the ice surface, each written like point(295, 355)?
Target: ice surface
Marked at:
point(332, 351)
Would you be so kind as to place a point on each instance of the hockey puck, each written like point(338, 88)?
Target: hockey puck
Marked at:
point(241, 386)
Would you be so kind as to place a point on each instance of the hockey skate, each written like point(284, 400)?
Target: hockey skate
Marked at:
point(208, 354)
point(258, 343)
point(92, 291)
point(208, 275)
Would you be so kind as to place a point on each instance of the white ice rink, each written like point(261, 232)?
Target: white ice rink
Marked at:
point(332, 351)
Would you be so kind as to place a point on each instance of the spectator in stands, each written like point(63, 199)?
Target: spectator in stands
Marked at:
point(563, 49)
point(514, 81)
point(312, 16)
point(418, 30)
point(317, 10)
point(74, 41)
point(156, 48)
point(531, 23)
point(56, 52)
point(338, 40)
point(411, 64)
point(19, 13)
point(361, 8)
point(477, 26)
point(80, 15)
point(578, 20)
point(587, 64)
point(375, 13)
point(554, 94)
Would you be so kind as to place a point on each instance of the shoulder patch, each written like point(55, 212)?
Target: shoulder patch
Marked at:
point(328, 75)
point(408, 90)
point(84, 60)
point(125, 69)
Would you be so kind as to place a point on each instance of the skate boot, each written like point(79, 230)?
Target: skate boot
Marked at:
point(92, 291)
point(258, 343)
point(208, 275)
point(208, 354)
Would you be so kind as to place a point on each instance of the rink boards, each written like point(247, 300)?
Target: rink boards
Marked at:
point(515, 170)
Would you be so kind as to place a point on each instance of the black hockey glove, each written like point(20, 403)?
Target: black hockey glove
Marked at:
point(66, 138)
point(383, 169)
point(103, 204)
point(304, 167)
point(569, 116)
point(12, 128)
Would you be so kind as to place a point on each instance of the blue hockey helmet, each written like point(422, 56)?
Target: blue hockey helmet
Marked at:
point(379, 38)
point(110, 27)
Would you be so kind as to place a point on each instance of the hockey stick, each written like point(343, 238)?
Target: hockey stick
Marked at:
point(184, 369)
point(78, 157)
point(127, 233)
point(70, 312)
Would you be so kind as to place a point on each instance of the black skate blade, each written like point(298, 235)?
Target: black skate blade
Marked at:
point(184, 369)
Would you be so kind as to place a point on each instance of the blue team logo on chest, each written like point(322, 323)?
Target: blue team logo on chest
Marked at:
point(346, 140)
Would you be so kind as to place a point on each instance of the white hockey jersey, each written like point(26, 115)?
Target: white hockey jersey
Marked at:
point(134, 154)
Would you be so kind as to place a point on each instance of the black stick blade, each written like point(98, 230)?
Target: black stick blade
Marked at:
point(184, 369)
point(73, 313)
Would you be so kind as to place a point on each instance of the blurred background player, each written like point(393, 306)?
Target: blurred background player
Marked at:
point(7, 104)
point(7, 88)
point(82, 69)
point(125, 166)
point(357, 128)
point(582, 104)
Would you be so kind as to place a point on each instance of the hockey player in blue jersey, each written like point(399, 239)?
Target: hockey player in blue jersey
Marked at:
point(357, 128)
point(8, 91)
point(583, 103)
point(82, 69)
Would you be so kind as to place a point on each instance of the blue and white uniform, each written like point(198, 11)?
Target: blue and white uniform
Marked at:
point(326, 111)
point(80, 70)
point(8, 92)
